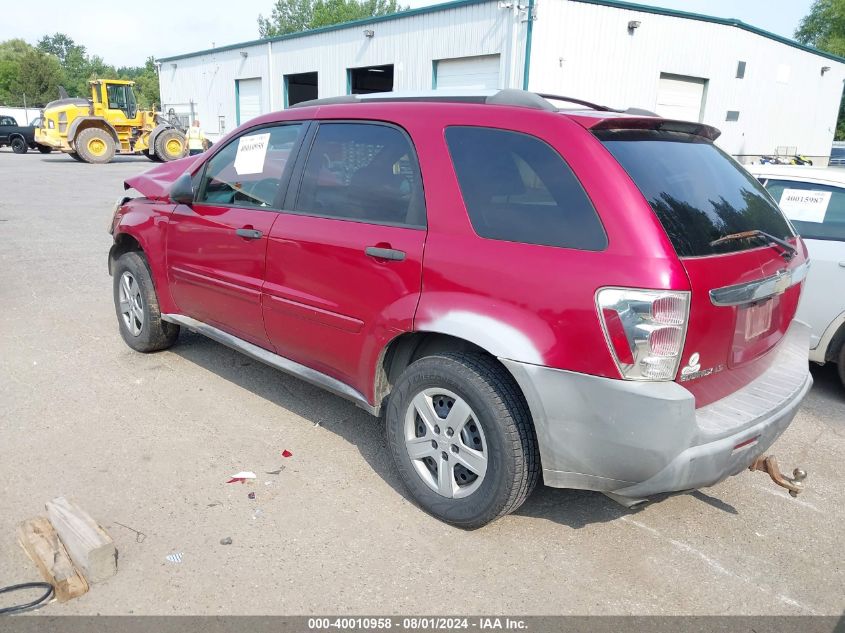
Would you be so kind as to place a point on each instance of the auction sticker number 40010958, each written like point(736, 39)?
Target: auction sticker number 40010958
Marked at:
point(417, 623)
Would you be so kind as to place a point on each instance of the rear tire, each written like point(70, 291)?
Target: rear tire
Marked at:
point(840, 364)
point(95, 145)
point(44, 149)
point(170, 145)
point(137, 308)
point(75, 157)
point(467, 425)
point(19, 145)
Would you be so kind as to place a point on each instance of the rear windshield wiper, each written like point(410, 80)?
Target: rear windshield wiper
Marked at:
point(789, 251)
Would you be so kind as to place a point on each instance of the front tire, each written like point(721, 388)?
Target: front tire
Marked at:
point(840, 364)
point(462, 438)
point(19, 145)
point(95, 145)
point(44, 149)
point(137, 308)
point(170, 145)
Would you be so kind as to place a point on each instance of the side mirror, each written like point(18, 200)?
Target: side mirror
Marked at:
point(182, 190)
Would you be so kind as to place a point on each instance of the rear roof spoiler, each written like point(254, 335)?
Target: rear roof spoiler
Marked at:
point(661, 125)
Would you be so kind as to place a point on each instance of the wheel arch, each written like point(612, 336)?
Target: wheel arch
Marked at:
point(83, 123)
point(408, 347)
point(123, 243)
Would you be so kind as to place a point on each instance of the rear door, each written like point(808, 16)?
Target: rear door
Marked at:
point(216, 248)
point(344, 259)
point(817, 211)
point(744, 290)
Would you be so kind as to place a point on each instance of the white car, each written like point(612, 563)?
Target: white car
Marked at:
point(813, 198)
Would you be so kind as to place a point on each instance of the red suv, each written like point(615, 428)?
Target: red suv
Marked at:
point(602, 296)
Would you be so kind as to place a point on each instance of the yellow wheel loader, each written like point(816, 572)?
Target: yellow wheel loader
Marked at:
point(110, 122)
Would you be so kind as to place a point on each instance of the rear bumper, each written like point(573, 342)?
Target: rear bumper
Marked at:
point(637, 439)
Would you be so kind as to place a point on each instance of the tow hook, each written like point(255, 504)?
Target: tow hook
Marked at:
point(769, 464)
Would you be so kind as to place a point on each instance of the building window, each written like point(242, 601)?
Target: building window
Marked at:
point(740, 70)
point(733, 115)
point(370, 79)
point(300, 87)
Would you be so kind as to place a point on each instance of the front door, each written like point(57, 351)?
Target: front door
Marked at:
point(216, 247)
point(344, 259)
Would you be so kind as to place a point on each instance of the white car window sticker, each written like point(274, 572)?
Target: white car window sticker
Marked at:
point(252, 150)
point(805, 205)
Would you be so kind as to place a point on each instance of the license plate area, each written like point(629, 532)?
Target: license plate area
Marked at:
point(758, 320)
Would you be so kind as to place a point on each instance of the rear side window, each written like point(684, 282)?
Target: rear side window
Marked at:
point(517, 188)
point(248, 171)
point(366, 172)
point(817, 211)
point(699, 193)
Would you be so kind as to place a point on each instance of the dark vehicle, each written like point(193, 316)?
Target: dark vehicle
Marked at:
point(837, 157)
point(20, 138)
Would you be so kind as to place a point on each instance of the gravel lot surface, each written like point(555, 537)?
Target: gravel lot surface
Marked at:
point(149, 440)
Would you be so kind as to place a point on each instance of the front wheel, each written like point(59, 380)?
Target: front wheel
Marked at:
point(170, 145)
point(462, 438)
point(19, 145)
point(137, 308)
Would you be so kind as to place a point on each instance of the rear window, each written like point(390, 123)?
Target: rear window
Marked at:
point(817, 211)
point(699, 193)
point(517, 188)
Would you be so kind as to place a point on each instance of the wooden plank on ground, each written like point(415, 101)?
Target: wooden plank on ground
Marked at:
point(41, 543)
point(90, 547)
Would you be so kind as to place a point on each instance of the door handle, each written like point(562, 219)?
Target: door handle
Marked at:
point(385, 253)
point(249, 234)
point(842, 264)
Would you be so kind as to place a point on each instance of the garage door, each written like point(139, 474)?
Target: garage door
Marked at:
point(249, 99)
point(479, 72)
point(680, 97)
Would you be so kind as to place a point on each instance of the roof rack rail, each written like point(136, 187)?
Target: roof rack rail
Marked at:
point(518, 98)
point(588, 104)
point(506, 97)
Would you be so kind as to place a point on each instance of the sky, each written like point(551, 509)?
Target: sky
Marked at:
point(128, 32)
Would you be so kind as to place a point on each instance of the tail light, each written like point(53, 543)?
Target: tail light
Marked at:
point(645, 330)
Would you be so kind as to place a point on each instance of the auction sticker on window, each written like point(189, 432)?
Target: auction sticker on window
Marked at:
point(251, 152)
point(805, 205)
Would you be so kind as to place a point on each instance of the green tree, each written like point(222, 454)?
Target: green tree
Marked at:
point(39, 77)
point(291, 16)
point(824, 28)
point(25, 70)
point(74, 61)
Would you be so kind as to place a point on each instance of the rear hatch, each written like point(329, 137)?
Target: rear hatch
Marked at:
point(745, 285)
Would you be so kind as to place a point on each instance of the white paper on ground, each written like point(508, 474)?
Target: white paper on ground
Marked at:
point(244, 474)
point(805, 205)
point(251, 152)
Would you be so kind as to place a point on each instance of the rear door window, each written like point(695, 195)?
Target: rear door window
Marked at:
point(517, 188)
point(817, 211)
point(364, 172)
point(699, 193)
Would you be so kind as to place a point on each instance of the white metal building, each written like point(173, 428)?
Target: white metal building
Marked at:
point(766, 93)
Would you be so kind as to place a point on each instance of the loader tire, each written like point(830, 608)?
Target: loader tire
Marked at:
point(95, 145)
point(170, 145)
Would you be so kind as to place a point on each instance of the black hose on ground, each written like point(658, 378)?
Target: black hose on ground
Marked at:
point(29, 606)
